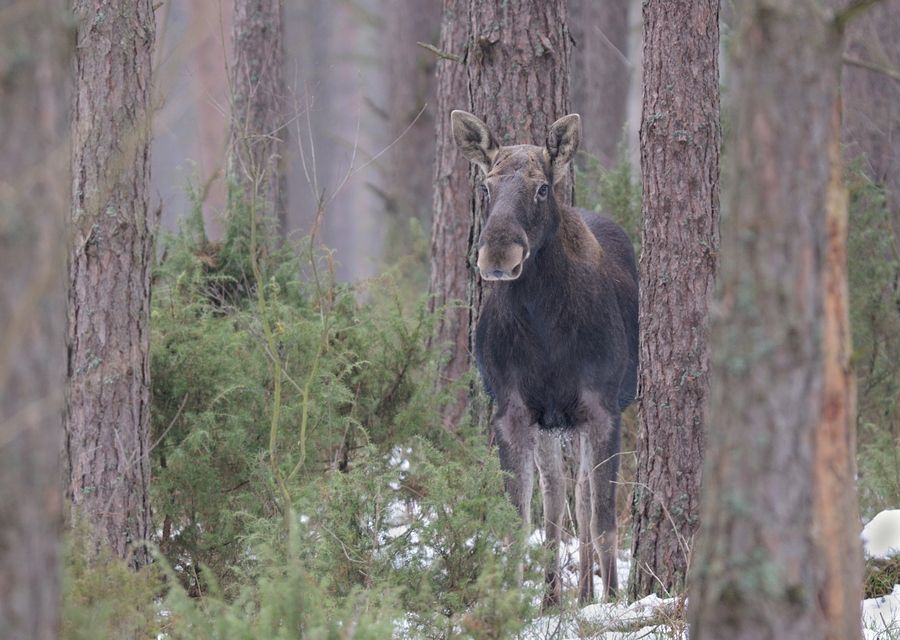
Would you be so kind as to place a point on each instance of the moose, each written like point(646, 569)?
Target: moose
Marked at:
point(556, 343)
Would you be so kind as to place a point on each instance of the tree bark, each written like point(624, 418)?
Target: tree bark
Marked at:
point(757, 568)
point(110, 258)
point(258, 122)
point(451, 214)
point(34, 73)
point(600, 74)
point(836, 508)
point(680, 140)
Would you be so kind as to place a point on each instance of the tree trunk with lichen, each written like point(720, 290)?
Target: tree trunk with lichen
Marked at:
point(258, 110)
point(680, 240)
point(110, 258)
point(34, 73)
point(760, 568)
point(451, 215)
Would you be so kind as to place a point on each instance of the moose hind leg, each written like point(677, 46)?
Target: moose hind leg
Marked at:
point(600, 448)
point(548, 455)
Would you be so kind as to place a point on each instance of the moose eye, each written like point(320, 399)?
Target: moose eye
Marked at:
point(542, 191)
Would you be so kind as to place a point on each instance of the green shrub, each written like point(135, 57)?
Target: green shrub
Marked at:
point(874, 267)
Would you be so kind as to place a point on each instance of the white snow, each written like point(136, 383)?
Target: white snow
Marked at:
point(881, 536)
point(881, 616)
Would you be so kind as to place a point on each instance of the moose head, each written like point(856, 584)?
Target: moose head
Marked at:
point(517, 182)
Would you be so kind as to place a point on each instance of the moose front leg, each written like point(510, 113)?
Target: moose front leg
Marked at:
point(585, 540)
point(548, 455)
point(600, 462)
point(515, 443)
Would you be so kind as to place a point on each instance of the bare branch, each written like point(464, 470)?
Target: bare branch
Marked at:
point(890, 72)
point(441, 54)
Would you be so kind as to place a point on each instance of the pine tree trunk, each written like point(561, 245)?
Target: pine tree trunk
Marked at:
point(258, 122)
point(451, 215)
point(600, 74)
point(680, 239)
point(757, 568)
point(110, 258)
point(34, 73)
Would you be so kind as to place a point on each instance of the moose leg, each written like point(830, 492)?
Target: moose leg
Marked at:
point(548, 455)
point(515, 444)
point(585, 541)
point(601, 461)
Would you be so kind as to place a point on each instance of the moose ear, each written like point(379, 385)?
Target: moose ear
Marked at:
point(474, 139)
point(562, 143)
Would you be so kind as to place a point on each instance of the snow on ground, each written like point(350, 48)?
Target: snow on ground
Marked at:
point(881, 616)
point(648, 619)
point(881, 536)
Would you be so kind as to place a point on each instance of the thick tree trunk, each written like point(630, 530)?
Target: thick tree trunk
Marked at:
point(600, 74)
point(110, 258)
point(757, 567)
point(34, 73)
point(680, 240)
point(451, 214)
point(258, 121)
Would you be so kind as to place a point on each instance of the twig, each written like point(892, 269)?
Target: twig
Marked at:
point(890, 72)
point(616, 49)
point(853, 10)
point(441, 54)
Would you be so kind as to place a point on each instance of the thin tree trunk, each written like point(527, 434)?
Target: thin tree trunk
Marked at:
point(410, 87)
point(34, 73)
point(110, 257)
point(600, 74)
point(210, 22)
point(258, 122)
point(451, 217)
point(680, 239)
point(871, 119)
point(757, 566)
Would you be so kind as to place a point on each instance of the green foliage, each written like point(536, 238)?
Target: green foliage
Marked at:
point(105, 598)
point(614, 192)
point(874, 267)
point(353, 514)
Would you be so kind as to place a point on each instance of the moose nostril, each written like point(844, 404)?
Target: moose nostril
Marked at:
point(516, 270)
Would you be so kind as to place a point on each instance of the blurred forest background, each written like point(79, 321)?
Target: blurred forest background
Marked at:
point(306, 465)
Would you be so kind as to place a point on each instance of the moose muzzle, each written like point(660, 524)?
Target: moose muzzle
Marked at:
point(501, 263)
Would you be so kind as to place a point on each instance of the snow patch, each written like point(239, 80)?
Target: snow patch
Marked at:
point(881, 616)
point(881, 536)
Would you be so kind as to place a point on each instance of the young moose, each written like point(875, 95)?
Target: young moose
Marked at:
point(557, 341)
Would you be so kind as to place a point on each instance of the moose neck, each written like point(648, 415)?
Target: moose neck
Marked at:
point(550, 280)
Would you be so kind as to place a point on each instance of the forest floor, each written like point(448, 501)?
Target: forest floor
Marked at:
point(655, 618)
